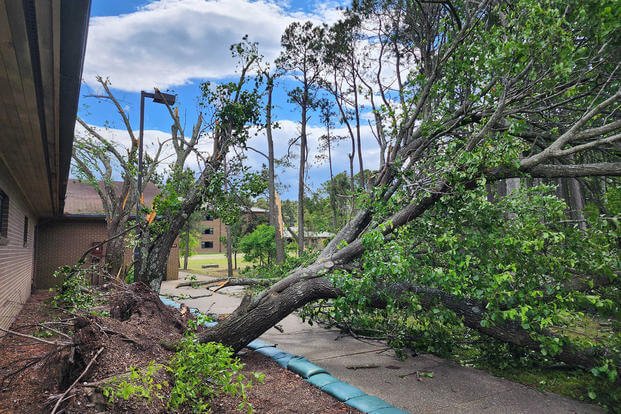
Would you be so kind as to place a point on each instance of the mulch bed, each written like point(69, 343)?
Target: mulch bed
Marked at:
point(140, 329)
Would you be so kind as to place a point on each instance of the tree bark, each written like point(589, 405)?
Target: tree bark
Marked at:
point(275, 219)
point(254, 317)
point(187, 246)
point(229, 252)
point(301, 175)
point(115, 249)
point(576, 202)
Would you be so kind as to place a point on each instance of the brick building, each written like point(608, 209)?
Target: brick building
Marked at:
point(213, 231)
point(42, 52)
point(82, 225)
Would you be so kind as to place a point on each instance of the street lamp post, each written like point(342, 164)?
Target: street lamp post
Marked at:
point(161, 98)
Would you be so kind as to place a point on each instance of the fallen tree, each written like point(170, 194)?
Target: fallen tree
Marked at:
point(485, 91)
point(458, 127)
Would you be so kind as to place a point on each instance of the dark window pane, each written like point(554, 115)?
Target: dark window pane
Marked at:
point(4, 213)
point(25, 240)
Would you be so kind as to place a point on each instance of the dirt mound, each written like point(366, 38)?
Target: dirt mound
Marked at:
point(130, 328)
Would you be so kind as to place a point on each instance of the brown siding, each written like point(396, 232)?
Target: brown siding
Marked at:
point(16, 261)
point(172, 270)
point(63, 243)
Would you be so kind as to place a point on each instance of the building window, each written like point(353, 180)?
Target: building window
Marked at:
point(4, 216)
point(25, 239)
point(207, 245)
point(208, 217)
point(208, 230)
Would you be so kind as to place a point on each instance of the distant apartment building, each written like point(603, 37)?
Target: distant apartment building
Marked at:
point(213, 231)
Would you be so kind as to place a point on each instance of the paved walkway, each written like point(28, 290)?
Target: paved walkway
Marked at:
point(373, 368)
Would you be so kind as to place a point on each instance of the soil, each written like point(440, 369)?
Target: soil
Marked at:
point(134, 328)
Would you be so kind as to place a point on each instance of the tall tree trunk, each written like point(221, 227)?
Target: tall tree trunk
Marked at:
point(576, 202)
point(275, 220)
point(332, 189)
point(301, 175)
point(186, 254)
point(351, 177)
point(363, 183)
point(229, 252)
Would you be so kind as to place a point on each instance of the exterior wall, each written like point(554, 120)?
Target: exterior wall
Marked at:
point(219, 230)
point(172, 270)
point(16, 260)
point(63, 242)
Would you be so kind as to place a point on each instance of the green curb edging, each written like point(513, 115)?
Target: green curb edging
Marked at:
point(304, 368)
point(315, 375)
point(367, 403)
point(342, 391)
point(320, 378)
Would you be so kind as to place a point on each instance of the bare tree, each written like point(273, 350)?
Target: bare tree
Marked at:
point(96, 159)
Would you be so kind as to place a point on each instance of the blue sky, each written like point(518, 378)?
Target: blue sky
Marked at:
point(177, 44)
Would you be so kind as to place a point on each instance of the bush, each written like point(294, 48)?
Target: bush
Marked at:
point(259, 245)
point(139, 383)
point(204, 371)
point(74, 291)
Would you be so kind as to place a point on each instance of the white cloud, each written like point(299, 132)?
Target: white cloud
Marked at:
point(287, 177)
point(318, 172)
point(170, 42)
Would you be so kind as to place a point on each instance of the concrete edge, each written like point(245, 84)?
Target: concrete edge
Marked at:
point(341, 390)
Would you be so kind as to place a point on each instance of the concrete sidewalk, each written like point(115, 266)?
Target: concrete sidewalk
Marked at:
point(372, 367)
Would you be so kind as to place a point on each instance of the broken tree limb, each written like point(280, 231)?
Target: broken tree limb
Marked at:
point(197, 283)
point(56, 343)
point(472, 313)
point(230, 282)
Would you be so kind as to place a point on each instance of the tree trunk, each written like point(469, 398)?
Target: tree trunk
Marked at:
point(187, 246)
point(115, 253)
point(255, 316)
point(576, 202)
point(351, 179)
point(363, 183)
point(275, 219)
point(155, 255)
point(115, 248)
point(332, 190)
point(229, 252)
point(301, 175)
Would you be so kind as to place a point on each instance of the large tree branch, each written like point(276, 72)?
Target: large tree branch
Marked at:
point(602, 169)
point(108, 145)
point(472, 313)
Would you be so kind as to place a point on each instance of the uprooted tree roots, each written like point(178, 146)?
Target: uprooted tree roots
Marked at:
point(96, 346)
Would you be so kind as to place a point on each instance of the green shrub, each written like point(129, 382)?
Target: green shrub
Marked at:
point(140, 383)
point(74, 292)
point(204, 371)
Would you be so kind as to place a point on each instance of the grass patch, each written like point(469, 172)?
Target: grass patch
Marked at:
point(196, 262)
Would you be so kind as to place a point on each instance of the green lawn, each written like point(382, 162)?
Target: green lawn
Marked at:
point(196, 262)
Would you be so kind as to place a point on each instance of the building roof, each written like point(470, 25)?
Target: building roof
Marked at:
point(43, 46)
point(257, 210)
point(82, 199)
